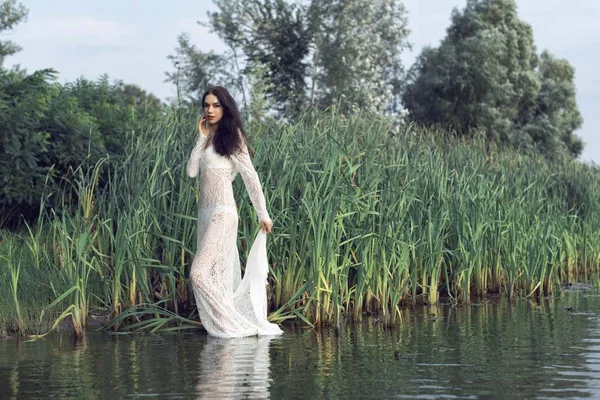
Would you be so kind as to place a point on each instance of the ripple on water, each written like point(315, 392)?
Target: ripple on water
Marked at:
point(492, 350)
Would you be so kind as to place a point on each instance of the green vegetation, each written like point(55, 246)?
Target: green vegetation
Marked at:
point(303, 54)
point(367, 219)
point(11, 14)
point(48, 130)
point(486, 73)
point(371, 213)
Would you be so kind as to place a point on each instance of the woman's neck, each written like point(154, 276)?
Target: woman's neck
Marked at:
point(212, 133)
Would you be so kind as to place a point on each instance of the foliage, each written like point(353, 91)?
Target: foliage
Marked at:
point(24, 141)
point(486, 74)
point(117, 109)
point(365, 220)
point(357, 53)
point(326, 53)
point(369, 217)
point(196, 70)
point(260, 105)
point(11, 13)
point(48, 130)
point(273, 34)
point(554, 117)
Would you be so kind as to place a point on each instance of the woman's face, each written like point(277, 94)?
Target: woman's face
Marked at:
point(212, 109)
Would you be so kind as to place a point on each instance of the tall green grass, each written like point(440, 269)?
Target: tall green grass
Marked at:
point(367, 218)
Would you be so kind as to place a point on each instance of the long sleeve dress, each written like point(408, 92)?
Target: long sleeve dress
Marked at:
point(228, 306)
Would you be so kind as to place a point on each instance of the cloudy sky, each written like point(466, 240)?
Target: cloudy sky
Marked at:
point(131, 39)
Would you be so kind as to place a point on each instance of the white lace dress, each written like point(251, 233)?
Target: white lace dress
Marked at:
point(228, 306)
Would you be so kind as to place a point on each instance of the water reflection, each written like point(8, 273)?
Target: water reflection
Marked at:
point(487, 350)
point(229, 368)
point(493, 349)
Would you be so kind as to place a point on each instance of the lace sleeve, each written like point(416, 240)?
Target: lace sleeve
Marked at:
point(243, 165)
point(193, 164)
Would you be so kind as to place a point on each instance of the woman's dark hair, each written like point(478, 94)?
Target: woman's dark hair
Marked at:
point(227, 141)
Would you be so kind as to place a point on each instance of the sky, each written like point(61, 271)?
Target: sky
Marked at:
point(130, 40)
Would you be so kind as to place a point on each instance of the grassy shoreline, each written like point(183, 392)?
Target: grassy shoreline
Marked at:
point(367, 218)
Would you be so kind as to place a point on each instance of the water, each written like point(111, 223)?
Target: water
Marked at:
point(488, 350)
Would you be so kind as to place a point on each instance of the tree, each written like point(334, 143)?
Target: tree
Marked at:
point(273, 36)
point(23, 104)
point(555, 109)
point(312, 55)
point(196, 70)
point(48, 130)
point(357, 53)
point(486, 74)
point(260, 105)
point(117, 109)
point(11, 13)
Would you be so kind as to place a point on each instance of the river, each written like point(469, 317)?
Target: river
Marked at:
point(491, 349)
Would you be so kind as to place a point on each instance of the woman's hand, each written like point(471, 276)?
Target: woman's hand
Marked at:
point(203, 126)
point(266, 226)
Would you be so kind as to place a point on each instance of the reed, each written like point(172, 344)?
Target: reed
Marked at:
point(367, 217)
point(76, 258)
point(13, 262)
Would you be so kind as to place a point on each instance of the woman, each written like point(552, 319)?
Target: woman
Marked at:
point(228, 306)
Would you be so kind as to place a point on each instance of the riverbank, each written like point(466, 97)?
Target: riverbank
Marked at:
point(368, 218)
